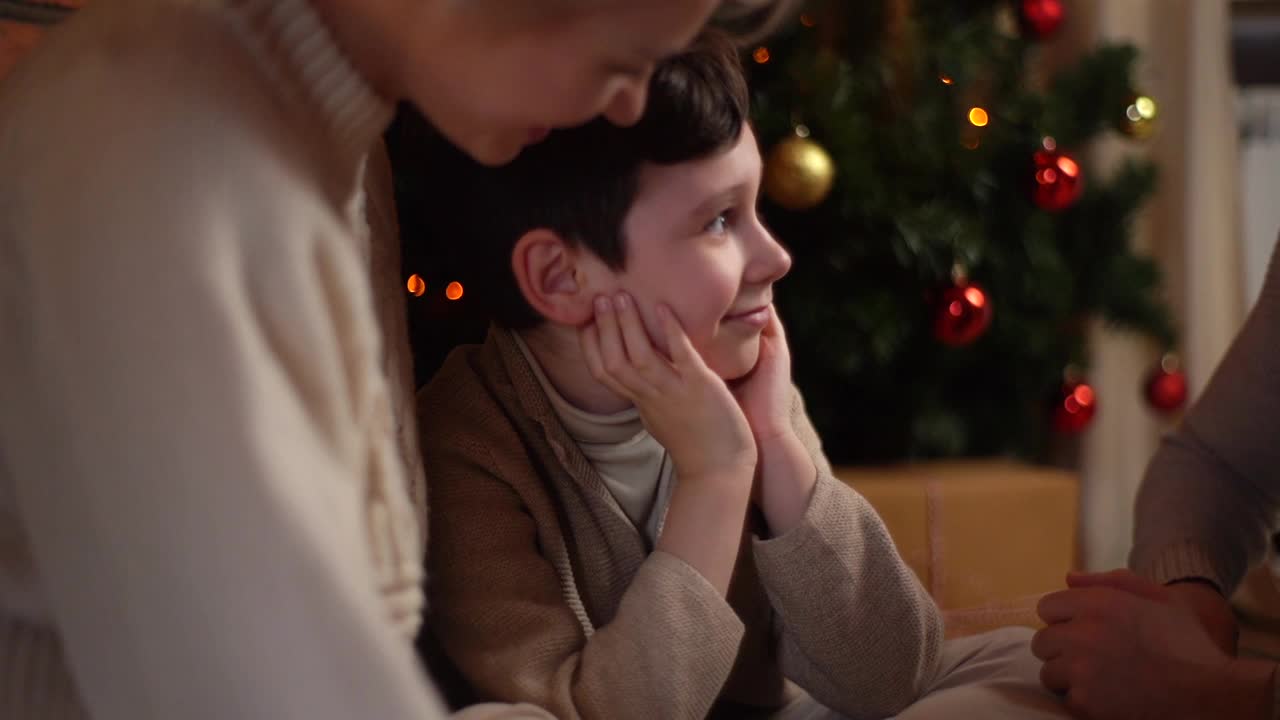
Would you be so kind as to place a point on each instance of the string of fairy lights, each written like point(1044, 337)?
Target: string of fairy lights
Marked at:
point(417, 287)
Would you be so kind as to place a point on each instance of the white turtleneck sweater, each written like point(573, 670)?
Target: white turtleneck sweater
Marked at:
point(204, 505)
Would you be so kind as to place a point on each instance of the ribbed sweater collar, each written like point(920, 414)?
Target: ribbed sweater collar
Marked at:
point(297, 47)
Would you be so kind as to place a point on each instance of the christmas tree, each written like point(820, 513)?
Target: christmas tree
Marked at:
point(950, 241)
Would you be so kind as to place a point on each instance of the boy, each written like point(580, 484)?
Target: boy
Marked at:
point(631, 515)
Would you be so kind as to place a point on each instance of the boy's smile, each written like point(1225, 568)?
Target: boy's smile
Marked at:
point(755, 318)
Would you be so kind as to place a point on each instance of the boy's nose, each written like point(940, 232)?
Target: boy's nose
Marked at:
point(776, 261)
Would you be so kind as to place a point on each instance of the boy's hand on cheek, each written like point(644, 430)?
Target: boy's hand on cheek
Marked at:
point(765, 393)
point(690, 410)
point(787, 472)
point(685, 405)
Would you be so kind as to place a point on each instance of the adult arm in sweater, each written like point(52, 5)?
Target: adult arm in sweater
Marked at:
point(1211, 493)
point(387, 278)
point(1209, 499)
point(501, 614)
point(857, 629)
point(193, 361)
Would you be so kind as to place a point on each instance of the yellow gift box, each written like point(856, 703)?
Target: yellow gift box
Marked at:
point(987, 538)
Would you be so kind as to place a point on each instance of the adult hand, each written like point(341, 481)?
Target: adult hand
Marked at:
point(1212, 609)
point(1120, 647)
point(685, 405)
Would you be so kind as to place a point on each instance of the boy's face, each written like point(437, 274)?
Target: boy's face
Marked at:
point(503, 78)
point(695, 243)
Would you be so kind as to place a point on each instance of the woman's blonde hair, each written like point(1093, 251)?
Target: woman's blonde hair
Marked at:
point(749, 20)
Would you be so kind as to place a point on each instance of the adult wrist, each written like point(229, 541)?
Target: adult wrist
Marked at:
point(1244, 689)
point(1211, 609)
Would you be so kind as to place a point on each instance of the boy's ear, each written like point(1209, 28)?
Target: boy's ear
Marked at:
point(553, 277)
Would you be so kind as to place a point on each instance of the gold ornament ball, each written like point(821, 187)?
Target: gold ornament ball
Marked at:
point(1139, 118)
point(798, 174)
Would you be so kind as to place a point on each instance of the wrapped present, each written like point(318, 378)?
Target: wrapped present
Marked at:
point(986, 537)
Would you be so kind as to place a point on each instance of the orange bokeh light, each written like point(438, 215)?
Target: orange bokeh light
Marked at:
point(453, 291)
point(761, 55)
point(978, 117)
point(975, 297)
point(417, 286)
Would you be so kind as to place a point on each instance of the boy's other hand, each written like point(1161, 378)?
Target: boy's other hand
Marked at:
point(787, 474)
point(686, 406)
point(765, 393)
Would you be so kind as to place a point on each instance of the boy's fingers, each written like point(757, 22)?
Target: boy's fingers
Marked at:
point(612, 354)
point(638, 348)
point(589, 338)
point(774, 327)
point(678, 344)
point(613, 351)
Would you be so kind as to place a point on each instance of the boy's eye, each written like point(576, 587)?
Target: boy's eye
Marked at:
point(720, 224)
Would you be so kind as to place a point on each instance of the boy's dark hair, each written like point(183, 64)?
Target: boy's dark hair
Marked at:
point(580, 183)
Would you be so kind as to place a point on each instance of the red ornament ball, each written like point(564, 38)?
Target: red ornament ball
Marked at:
point(1059, 180)
point(1042, 18)
point(963, 315)
point(1075, 408)
point(1166, 387)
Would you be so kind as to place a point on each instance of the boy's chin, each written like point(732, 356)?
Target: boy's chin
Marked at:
point(739, 362)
